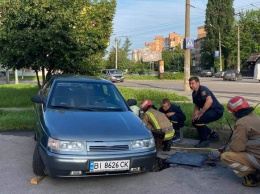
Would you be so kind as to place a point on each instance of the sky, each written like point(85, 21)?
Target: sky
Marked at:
point(142, 20)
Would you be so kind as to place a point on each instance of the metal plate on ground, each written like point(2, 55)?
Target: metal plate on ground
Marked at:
point(186, 159)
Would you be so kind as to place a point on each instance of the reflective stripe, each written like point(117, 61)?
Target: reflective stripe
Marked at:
point(244, 168)
point(169, 135)
point(234, 165)
point(153, 119)
point(235, 171)
point(200, 124)
point(253, 142)
point(253, 160)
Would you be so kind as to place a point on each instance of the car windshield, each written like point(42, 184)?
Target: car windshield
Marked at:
point(115, 71)
point(86, 97)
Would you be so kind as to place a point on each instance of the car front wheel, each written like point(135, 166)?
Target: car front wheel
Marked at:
point(37, 164)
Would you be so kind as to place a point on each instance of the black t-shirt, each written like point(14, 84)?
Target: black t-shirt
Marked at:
point(199, 99)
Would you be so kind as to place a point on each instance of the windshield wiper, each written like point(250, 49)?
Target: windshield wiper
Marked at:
point(73, 108)
point(108, 109)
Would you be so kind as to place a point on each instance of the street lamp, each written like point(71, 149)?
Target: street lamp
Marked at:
point(219, 45)
point(116, 41)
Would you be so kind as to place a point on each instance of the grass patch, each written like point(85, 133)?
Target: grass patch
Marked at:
point(154, 95)
point(17, 120)
point(165, 76)
point(17, 95)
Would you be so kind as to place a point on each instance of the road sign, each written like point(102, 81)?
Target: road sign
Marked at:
point(189, 43)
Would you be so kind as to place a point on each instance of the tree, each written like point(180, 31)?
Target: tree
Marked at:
point(219, 18)
point(123, 62)
point(57, 35)
point(167, 57)
point(249, 33)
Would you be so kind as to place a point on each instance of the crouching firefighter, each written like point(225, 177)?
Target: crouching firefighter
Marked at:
point(158, 124)
point(243, 153)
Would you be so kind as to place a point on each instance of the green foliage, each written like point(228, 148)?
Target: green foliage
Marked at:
point(56, 35)
point(13, 95)
point(249, 33)
point(219, 18)
point(165, 76)
point(150, 94)
point(173, 59)
point(17, 120)
point(123, 62)
point(172, 76)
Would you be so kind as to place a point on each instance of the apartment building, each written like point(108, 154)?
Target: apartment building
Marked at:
point(195, 54)
point(160, 43)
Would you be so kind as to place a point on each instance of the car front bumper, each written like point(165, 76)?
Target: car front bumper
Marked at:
point(59, 165)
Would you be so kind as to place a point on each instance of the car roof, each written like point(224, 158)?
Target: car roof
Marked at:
point(74, 77)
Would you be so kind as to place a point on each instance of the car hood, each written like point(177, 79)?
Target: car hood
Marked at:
point(94, 126)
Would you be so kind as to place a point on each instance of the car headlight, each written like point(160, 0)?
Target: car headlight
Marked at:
point(59, 145)
point(140, 144)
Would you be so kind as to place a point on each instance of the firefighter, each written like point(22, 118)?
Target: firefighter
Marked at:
point(158, 124)
point(175, 114)
point(206, 109)
point(243, 153)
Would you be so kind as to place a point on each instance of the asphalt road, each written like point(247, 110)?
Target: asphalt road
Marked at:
point(16, 171)
point(223, 90)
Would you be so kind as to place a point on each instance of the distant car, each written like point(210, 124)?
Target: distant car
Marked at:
point(232, 75)
point(148, 73)
point(174, 71)
point(135, 73)
point(219, 74)
point(206, 73)
point(85, 128)
point(114, 75)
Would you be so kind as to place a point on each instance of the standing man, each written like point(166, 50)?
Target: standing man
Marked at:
point(174, 113)
point(158, 124)
point(207, 109)
point(243, 153)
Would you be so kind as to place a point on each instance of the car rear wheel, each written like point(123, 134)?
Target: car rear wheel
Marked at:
point(37, 164)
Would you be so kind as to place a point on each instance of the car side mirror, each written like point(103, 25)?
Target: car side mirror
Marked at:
point(37, 99)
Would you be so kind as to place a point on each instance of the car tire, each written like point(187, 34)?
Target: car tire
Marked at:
point(224, 79)
point(37, 164)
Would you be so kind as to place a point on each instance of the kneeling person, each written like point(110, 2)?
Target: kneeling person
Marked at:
point(158, 123)
point(243, 153)
point(174, 113)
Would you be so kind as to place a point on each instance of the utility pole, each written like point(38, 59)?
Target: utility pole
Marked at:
point(238, 48)
point(187, 51)
point(220, 52)
point(116, 52)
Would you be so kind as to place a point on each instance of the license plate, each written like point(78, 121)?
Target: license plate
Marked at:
point(114, 165)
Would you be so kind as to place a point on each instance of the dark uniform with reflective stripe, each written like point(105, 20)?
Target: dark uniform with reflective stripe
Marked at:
point(214, 113)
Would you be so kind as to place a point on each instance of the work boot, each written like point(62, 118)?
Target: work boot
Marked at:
point(251, 180)
point(175, 139)
point(214, 136)
point(166, 146)
point(202, 144)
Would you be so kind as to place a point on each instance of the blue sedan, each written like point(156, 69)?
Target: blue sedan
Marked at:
point(85, 128)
